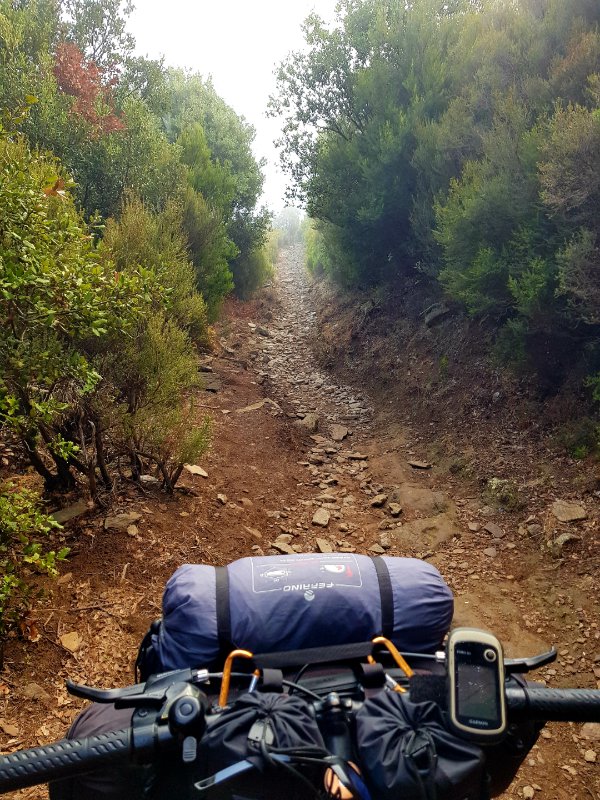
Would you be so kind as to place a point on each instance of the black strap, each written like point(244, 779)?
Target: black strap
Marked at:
point(314, 655)
point(223, 611)
point(387, 596)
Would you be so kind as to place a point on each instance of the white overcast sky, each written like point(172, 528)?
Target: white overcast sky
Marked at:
point(237, 42)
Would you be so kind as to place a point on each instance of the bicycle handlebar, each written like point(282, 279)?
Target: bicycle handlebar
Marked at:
point(552, 705)
point(144, 744)
point(63, 759)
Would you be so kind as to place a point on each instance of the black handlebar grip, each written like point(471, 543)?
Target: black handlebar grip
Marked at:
point(61, 759)
point(558, 705)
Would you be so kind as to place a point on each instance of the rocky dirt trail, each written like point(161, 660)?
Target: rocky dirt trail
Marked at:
point(303, 463)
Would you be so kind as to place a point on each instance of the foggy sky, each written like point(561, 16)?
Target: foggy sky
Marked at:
point(238, 43)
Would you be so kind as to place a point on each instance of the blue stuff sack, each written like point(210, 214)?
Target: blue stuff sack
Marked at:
point(291, 602)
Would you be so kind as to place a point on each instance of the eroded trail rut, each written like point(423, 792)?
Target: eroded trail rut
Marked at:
point(300, 463)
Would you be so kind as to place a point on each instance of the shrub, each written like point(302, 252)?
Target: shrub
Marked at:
point(22, 524)
point(55, 292)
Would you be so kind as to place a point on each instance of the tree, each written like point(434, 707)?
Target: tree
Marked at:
point(98, 28)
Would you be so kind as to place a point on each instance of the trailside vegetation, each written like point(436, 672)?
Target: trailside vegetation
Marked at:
point(461, 141)
point(128, 212)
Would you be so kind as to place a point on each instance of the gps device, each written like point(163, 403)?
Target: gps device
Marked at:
point(476, 684)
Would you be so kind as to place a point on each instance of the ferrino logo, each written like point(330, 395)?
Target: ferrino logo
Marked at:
point(308, 588)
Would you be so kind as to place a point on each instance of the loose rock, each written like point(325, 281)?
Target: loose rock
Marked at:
point(568, 512)
point(283, 548)
point(377, 548)
point(338, 432)
point(310, 422)
point(558, 544)
point(321, 517)
point(222, 498)
point(33, 691)
point(70, 512)
point(71, 641)
point(379, 500)
point(395, 509)
point(120, 522)
point(9, 730)
point(324, 546)
point(591, 731)
point(494, 529)
point(590, 756)
point(194, 469)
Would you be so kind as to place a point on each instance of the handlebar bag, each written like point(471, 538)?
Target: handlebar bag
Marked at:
point(407, 751)
point(283, 603)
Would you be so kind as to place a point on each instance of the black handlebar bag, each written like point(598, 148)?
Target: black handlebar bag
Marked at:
point(255, 728)
point(407, 752)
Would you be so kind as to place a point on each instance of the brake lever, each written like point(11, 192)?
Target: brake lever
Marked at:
point(113, 695)
point(519, 665)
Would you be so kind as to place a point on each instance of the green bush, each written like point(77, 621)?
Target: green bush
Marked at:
point(252, 271)
point(55, 292)
point(147, 374)
point(22, 524)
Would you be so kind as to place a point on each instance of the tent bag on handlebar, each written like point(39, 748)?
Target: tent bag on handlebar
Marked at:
point(406, 751)
point(283, 603)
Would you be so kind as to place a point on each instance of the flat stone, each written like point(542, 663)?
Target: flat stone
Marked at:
point(71, 641)
point(324, 546)
point(338, 432)
point(357, 456)
point(379, 500)
point(33, 691)
point(120, 522)
point(491, 552)
point(568, 512)
point(326, 497)
point(495, 530)
point(419, 498)
point(591, 731)
point(321, 517)
point(377, 549)
point(284, 538)
point(419, 464)
point(425, 534)
point(8, 728)
point(474, 527)
point(194, 469)
point(149, 480)
point(70, 512)
point(283, 548)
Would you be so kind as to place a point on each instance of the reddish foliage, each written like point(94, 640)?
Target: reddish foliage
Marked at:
point(83, 80)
